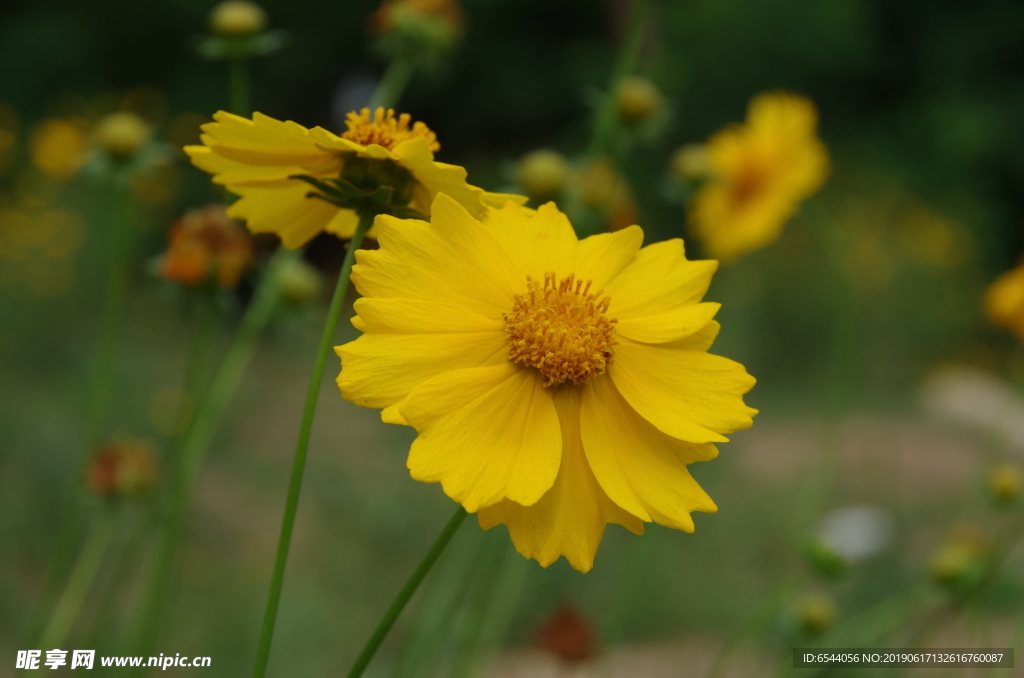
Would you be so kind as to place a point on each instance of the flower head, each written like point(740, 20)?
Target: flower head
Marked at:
point(58, 147)
point(123, 467)
point(760, 172)
point(543, 173)
point(206, 245)
point(121, 134)
point(1004, 301)
point(556, 384)
point(298, 182)
point(428, 28)
point(637, 99)
point(237, 18)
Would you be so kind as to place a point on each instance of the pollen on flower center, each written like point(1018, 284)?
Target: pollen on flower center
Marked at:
point(384, 129)
point(562, 329)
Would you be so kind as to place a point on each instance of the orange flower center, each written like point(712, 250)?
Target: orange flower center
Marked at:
point(562, 329)
point(384, 129)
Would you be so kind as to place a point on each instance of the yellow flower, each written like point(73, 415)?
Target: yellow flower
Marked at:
point(260, 160)
point(58, 148)
point(761, 171)
point(1004, 301)
point(556, 384)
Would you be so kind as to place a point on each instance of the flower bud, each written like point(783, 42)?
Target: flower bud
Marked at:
point(823, 558)
point(960, 563)
point(816, 613)
point(567, 635)
point(690, 162)
point(124, 467)
point(122, 134)
point(1005, 481)
point(542, 174)
point(300, 283)
point(637, 99)
point(237, 18)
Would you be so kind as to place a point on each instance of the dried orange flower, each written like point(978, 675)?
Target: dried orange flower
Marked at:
point(207, 245)
point(123, 467)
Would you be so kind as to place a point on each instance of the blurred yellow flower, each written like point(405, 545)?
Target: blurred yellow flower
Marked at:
point(206, 245)
point(260, 160)
point(637, 99)
point(121, 134)
point(1005, 481)
point(816, 613)
point(1004, 301)
point(760, 171)
point(237, 18)
point(58, 147)
point(556, 384)
point(542, 174)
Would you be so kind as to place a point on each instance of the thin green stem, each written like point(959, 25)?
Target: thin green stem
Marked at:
point(197, 440)
point(197, 364)
point(239, 86)
point(81, 580)
point(115, 296)
point(388, 620)
point(302, 446)
point(606, 123)
point(392, 83)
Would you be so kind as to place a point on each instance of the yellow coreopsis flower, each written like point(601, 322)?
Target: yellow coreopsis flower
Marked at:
point(759, 173)
point(288, 177)
point(1004, 301)
point(556, 384)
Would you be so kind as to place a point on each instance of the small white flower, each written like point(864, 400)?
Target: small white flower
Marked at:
point(856, 532)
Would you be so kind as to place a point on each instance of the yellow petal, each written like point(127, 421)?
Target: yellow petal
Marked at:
point(284, 210)
point(262, 140)
point(417, 316)
point(658, 279)
point(570, 518)
point(669, 326)
point(604, 256)
point(642, 469)
point(437, 177)
point(453, 259)
point(1004, 301)
point(535, 243)
point(379, 370)
point(498, 200)
point(486, 434)
point(690, 395)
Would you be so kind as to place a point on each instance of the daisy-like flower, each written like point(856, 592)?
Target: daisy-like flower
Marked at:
point(556, 384)
point(206, 245)
point(759, 172)
point(297, 182)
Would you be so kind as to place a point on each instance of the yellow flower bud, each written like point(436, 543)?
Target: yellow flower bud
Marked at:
point(959, 564)
point(637, 99)
point(300, 283)
point(542, 174)
point(237, 18)
point(1005, 481)
point(816, 613)
point(122, 134)
point(690, 162)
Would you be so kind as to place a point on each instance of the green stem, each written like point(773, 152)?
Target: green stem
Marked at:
point(589, 221)
point(197, 364)
point(392, 83)
point(239, 86)
point(81, 580)
point(99, 393)
point(606, 123)
point(406, 593)
point(302, 446)
point(197, 440)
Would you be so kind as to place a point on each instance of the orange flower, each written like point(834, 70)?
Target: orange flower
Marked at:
point(567, 635)
point(206, 245)
point(123, 467)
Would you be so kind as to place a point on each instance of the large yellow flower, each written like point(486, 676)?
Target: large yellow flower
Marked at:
point(259, 159)
point(1004, 301)
point(556, 384)
point(759, 173)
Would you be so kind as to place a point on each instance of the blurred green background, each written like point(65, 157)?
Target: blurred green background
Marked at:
point(918, 102)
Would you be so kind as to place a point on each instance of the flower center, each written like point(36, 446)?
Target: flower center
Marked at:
point(384, 129)
point(562, 329)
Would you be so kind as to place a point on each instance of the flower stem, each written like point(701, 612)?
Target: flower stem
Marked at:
point(239, 86)
point(80, 582)
point(392, 83)
point(302, 446)
point(197, 440)
point(406, 593)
